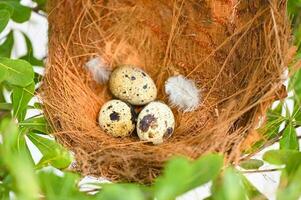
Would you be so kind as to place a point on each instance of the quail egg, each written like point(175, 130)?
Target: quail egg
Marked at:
point(155, 122)
point(117, 118)
point(132, 85)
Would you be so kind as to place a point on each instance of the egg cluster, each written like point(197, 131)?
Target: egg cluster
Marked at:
point(132, 87)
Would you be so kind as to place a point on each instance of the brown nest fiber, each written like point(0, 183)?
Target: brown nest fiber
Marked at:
point(235, 50)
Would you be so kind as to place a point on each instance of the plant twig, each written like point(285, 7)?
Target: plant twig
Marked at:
point(261, 171)
point(269, 143)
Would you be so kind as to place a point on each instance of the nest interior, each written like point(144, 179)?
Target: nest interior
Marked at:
point(234, 50)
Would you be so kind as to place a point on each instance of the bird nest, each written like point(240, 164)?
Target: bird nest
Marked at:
point(235, 51)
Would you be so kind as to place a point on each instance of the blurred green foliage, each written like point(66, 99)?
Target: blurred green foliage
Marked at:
point(23, 178)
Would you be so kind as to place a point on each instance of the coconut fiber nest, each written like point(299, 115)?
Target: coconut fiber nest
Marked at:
point(235, 51)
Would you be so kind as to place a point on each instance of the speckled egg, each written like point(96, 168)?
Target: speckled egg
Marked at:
point(132, 85)
point(155, 122)
point(117, 118)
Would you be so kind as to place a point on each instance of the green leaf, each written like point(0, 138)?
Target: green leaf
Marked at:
point(4, 19)
point(271, 128)
point(297, 113)
point(274, 120)
point(5, 106)
point(289, 138)
point(53, 153)
point(37, 78)
point(251, 164)
point(193, 174)
point(231, 187)
point(205, 169)
point(38, 105)
point(5, 6)
point(282, 157)
point(290, 158)
point(6, 47)
point(120, 191)
point(293, 189)
point(14, 139)
point(252, 191)
point(3, 74)
point(64, 187)
point(17, 163)
point(29, 56)
point(295, 85)
point(4, 192)
point(293, 6)
point(20, 13)
point(10, 136)
point(38, 124)
point(20, 99)
point(20, 72)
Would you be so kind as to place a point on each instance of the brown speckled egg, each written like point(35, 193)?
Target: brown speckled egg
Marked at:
point(117, 118)
point(132, 85)
point(155, 122)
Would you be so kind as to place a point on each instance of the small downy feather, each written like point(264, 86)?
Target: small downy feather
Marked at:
point(99, 70)
point(182, 93)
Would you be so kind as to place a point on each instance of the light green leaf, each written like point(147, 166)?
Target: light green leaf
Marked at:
point(5, 106)
point(293, 6)
point(282, 157)
point(297, 113)
point(4, 19)
point(20, 99)
point(293, 189)
point(4, 192)
point(3, 74)
point(120, 191)
point(20, 13)
point(64, 187)
point(205, 169)
point(290, 158)
point(274, 120)
point(20, 73)
point(38, 124)
point(295, 85)
point(270, 130)
point(289, 138)
point(10, 135)
point(53, 153)
point(233, 187)
point(193, 174)
point(251, 164)
point(14, 139)
point(17, 163)
point(230, 187)
point(6, 47)
point(173, 183)
point(252, 191)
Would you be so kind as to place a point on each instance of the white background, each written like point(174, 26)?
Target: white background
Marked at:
point(36, 29)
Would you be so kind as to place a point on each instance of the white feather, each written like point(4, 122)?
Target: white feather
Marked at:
point(99, 70)
point(182, 93)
